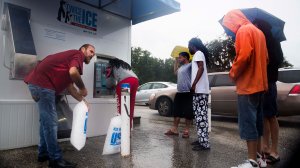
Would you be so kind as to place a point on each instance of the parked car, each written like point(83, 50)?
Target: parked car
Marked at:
point(163, 102)
point(144, 91)
point(224, 98)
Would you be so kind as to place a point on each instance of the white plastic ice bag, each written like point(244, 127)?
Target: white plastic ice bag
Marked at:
point(79, 125)
point(113, 137)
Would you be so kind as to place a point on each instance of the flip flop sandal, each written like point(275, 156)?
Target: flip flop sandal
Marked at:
point(170, 132)
point(271, 159)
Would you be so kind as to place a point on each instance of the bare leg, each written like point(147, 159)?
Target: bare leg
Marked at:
point(252, 149)
point(266, 136)
point(175, 124)
point(259, 145)
point(188, 124)
point(274, 130)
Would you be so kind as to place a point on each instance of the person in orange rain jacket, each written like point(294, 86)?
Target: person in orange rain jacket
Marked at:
point(249, 72)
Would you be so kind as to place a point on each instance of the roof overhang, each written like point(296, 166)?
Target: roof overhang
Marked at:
point(143, 10)
point(137, 10)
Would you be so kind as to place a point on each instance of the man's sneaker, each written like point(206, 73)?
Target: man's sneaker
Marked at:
point(248, 164)
point(61, 163)
point(261, 160)
point(43, 158)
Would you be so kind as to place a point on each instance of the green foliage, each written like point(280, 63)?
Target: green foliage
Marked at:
point(149, 69)
point(286, 64)
point(222, 54)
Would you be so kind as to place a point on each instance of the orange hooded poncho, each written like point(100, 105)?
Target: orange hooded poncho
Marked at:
point(249, 68)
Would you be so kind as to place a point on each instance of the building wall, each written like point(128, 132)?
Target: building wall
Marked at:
point(18, 113)
point(18, 124)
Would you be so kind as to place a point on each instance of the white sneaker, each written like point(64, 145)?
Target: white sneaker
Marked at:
point(261, 160)
point(250, 163)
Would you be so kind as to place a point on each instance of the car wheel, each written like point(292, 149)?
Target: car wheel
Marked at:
point(164, 106)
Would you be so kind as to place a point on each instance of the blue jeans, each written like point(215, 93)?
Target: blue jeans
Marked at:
point(250, 118)
point(45, 99)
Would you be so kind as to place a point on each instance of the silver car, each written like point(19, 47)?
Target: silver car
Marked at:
point(224, 98)
point(144, 91)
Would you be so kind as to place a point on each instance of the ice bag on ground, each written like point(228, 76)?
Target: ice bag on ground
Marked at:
point(113, 137)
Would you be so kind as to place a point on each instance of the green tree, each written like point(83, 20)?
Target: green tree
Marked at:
point(148, 68)
point(169, 70)
point(286, 64)
point(222, 54)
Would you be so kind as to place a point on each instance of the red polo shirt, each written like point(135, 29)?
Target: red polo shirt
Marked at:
point(53, 71)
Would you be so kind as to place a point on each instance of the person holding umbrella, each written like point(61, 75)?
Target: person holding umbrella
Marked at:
point(271, 127)
point(249, 72)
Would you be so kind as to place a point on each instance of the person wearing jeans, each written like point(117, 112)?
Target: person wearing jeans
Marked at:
point(249, 73)
point(48, 122)
point(51, 76)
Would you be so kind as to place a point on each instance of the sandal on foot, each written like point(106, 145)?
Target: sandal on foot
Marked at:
point(200, 148)
point(271, 159)
point(185, 134)
point(195, 143)
point(170, 132)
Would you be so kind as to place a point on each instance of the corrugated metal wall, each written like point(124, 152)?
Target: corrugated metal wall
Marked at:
point(18, 124)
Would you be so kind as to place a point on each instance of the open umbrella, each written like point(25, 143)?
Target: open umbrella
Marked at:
point(276, 24)
point(178, 49)
point(271, 26)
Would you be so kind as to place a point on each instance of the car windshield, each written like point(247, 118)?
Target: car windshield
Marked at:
point(172, 84)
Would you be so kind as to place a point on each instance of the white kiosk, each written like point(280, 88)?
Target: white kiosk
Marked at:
point(33, 29)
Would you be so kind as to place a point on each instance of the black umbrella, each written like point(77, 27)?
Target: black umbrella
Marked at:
point(276, 24)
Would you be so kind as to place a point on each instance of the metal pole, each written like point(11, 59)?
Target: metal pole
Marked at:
point(125, 115)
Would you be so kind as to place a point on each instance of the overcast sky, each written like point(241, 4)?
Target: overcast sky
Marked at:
point(200, 18)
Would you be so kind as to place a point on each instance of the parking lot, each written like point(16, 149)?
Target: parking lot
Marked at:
point(151, 148)
point(225, 138)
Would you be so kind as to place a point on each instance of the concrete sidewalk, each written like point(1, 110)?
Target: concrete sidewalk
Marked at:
point(151, 148)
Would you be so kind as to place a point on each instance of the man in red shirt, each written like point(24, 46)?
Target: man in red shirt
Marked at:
point(51, 76)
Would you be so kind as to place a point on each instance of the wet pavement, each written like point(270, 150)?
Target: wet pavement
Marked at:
point(151, 148)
